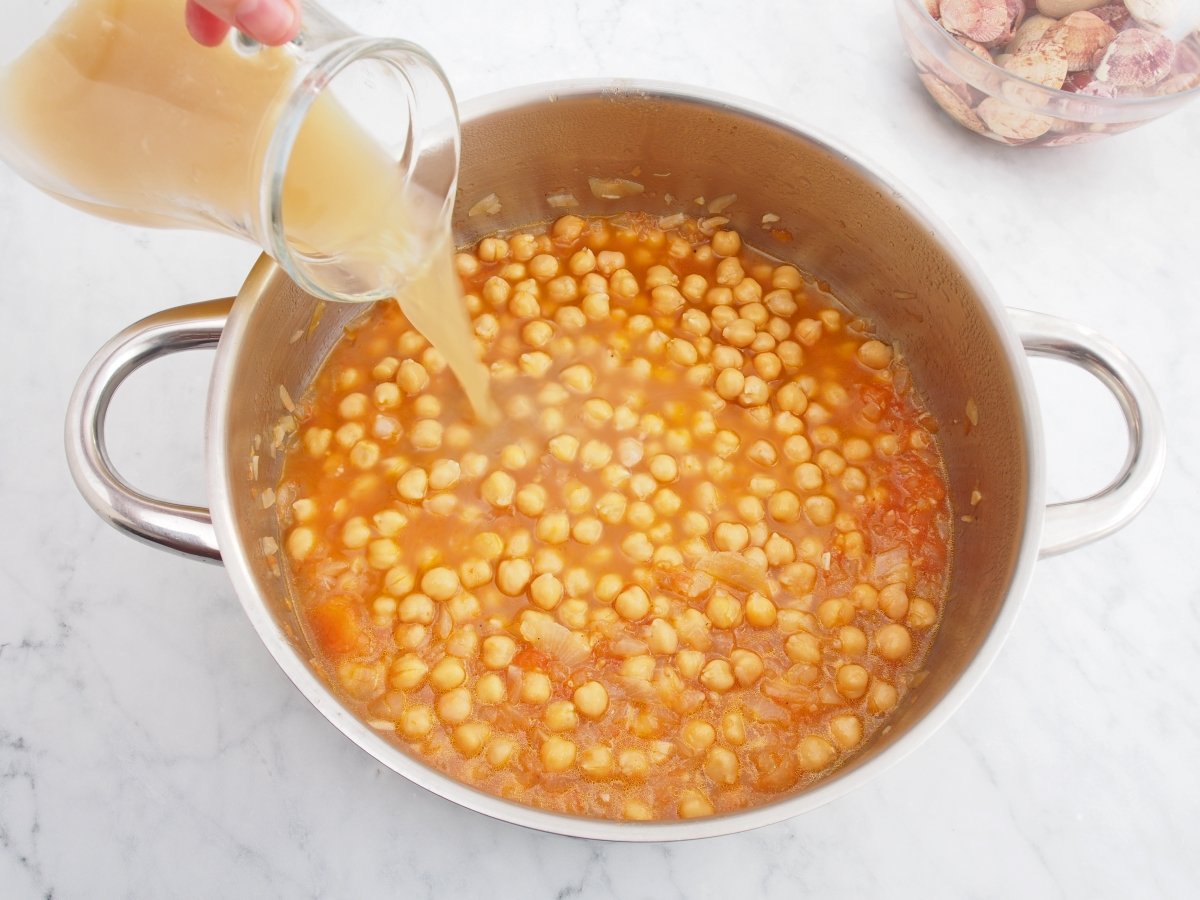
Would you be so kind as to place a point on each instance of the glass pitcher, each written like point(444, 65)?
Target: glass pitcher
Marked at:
point(338, 153)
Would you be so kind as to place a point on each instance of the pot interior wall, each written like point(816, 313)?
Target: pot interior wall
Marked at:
point(841, 225)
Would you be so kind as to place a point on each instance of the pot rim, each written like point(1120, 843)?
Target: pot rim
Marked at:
point(297, 669)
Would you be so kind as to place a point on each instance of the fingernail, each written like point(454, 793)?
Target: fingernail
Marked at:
point(268, 21)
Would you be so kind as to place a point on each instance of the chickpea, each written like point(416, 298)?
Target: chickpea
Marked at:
point(723, 610)
point(557, 754)
point(597, 762)
point(835, 612)
point(553, 528)
point(564, 447)
point(697, 736)
point(498, 489)
point(454, 706)
point(851, 681)
point(726, 243)
point(729, 383)
point(820, 509)
point(591, 699)
point(689, 663)
point(717, 675)
point(732, 536)
point(721, 766)
point(440, 583)
point(893, 601)
point(535, 688)
point(814, 753)
point(694, 805)
point(416, 608)
point(748, 666)
point(760, 611)
point(663, 638)
point(739, 333)
point(633, 764)
point(595, 455)
point(881, 697)
point(498, 651)
point(633, 603)
point(407, 672)
point(893, 642)
point(803, 647)
point(921, 614)
point(500, 752)
point(560, 716)
point(448, 673)
point(853, 641)
point(415, 722)
point(875, 355)
point(664, 468)
point(512, 576)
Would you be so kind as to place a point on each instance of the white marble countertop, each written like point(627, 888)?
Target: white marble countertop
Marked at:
point(150, 747)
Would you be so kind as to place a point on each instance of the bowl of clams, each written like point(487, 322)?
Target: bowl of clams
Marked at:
point(1052, 73)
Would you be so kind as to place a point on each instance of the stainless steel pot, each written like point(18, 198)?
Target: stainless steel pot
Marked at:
point(878, 248)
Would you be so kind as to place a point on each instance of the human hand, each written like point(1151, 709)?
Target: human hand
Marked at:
point(267, 21)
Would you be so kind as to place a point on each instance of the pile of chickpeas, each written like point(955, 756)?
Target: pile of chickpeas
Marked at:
point(696, 564)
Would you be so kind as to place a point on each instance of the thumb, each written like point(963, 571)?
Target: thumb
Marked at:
point(268, 21)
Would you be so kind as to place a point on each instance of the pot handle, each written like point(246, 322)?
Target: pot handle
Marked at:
point(184, 529)
point(1072, 524)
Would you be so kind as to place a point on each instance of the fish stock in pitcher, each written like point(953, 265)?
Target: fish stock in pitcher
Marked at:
point(117, 111)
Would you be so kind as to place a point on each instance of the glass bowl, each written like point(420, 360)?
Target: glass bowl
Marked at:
point(969, 81)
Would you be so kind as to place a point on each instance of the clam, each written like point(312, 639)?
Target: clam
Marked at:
point(1031, 30)
point(1080, 35)
point(984, 21)
point(1136, 58)
point(954, 103)
point(975, 47)
point(1156, 14)
point(933, 7)
point(1077, 81)
point(1016, 15)
point(1176, 83)
point(1011, 122)
point(1060, 9)
point(1114, 15)
point(1044, 63)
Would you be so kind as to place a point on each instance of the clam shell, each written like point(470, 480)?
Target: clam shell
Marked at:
point(975, 47)
point(1010, 122)
point(1176, 83)
point(1115, 15)
point(953, 102)
point(1043, 63)
point(1136, 58)
point(933, 7)
point(1060, 9)
point(1156, 14)
point(984, 21)
point(1077, 81)
point(1080, 35)
point(1031, 30)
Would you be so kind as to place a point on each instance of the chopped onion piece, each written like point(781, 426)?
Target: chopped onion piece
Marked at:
point(614, 188)
point(555, 640)
point(722, 203)
point(488, 206)
point(668, 222)
point(736, 571)
point(562, 200)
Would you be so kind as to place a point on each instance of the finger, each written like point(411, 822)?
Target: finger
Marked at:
point(268, 21)
point(204, 27)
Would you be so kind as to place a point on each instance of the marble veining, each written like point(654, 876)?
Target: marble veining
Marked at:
point(149, 746)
